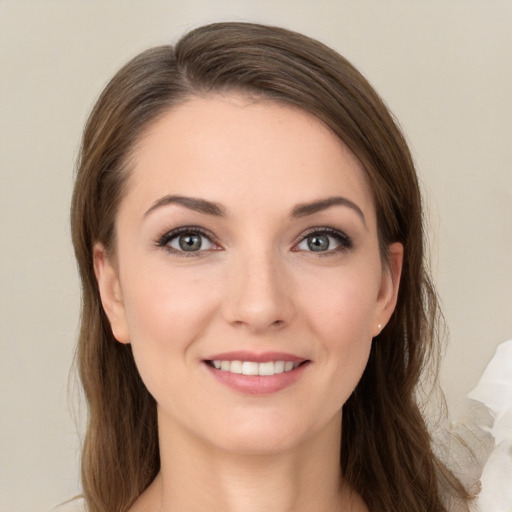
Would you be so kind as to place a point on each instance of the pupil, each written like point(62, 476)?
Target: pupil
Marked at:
point(190, 242)
point(318, 242)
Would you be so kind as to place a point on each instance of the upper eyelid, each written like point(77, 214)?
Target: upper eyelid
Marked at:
point(324, 230)
point(173, 233)
point(344, 240)
point(188, 229)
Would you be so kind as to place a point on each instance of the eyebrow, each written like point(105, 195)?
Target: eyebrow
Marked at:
point(192, 203)
point(211, 208)
point(305, 209)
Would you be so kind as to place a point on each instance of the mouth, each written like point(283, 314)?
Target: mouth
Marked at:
point(256, 373)
point(267, 368)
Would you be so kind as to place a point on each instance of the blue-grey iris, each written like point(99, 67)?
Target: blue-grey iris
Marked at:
point(318, 242)
point(190, 242)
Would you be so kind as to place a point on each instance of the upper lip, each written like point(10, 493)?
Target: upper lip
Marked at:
point(263, 357)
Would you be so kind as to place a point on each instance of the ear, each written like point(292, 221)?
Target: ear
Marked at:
point(390, 283)
point(111, 294)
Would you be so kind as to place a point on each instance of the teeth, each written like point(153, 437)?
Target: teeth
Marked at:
point(235, 367)
point(279, 366)
point(249, 368)
point(252, 368)
point(266, 368)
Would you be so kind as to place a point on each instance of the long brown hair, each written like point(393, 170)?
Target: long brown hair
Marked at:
point(386, 450)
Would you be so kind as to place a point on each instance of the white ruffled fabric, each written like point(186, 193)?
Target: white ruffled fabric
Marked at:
point(494, 391)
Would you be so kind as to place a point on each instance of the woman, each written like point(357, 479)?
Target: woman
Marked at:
point(256, 307)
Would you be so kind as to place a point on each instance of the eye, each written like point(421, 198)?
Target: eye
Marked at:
point(186, 240)
point(324, 241)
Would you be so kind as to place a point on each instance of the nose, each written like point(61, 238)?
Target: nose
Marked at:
point(258, 294)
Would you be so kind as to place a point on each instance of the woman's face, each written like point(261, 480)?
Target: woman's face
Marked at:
point(247, 274)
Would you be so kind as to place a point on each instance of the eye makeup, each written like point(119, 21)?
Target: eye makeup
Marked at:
point(195, 241)
point(323, 241)
point(188, 241)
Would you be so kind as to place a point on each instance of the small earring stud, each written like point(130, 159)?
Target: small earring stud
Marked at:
point(380, 327)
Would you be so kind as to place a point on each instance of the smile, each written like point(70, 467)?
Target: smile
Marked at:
point(253, 368)
point(256, 373)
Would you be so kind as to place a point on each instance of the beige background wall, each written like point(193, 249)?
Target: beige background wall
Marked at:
point(445, 69)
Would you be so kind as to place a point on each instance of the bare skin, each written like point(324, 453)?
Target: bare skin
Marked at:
point(248, 232)
point(253, 483)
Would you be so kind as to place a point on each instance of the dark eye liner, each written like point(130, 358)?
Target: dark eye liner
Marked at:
point(341, 237)
point(164, 240)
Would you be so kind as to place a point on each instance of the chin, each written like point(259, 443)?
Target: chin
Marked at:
point(268, 435)
point(258, 443)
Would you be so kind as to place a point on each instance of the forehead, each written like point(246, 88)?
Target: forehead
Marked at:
point(232, 147)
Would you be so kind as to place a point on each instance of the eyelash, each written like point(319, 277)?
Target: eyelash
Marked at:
point(163, 241)
point(345, 242)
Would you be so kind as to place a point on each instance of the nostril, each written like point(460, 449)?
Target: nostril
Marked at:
point(276, 324)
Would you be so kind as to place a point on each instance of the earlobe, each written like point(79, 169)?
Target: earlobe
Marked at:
point(111, 293)
point(390, 284)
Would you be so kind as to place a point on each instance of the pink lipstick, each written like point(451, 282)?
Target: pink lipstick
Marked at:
point(256, 374)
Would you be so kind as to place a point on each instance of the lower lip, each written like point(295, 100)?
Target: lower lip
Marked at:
point(258, 384)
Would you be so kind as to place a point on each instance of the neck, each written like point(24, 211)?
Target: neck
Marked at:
point(196, 476)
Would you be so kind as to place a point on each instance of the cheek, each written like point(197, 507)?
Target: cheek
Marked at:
point(341, 314)
point(166, 312)
point(162, 298)
point(343, 306)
